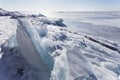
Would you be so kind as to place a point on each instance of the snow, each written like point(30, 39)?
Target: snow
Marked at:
point(3, 12)
point(98, 24)
point(7, 28)
point(95, 54)
point(102, 74)
point(41, 48)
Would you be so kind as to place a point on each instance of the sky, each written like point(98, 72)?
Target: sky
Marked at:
point(61, 5)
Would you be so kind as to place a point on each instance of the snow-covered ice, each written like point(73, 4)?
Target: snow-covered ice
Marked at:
point(81, 46)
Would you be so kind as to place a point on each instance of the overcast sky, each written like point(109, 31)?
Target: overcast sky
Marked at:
point(61, 5)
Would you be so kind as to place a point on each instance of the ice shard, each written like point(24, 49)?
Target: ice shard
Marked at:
point(33, 50)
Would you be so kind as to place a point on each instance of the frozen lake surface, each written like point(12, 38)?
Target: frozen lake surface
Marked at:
point(80, 46)
point(101, 24)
